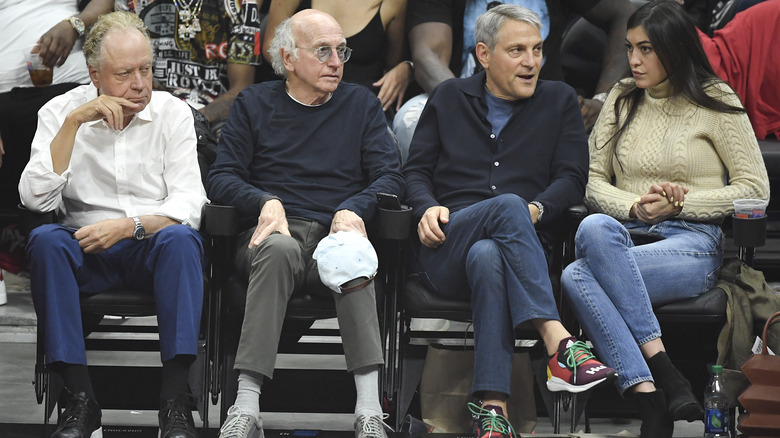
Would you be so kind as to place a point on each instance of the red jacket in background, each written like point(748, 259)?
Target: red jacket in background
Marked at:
point(746, 54)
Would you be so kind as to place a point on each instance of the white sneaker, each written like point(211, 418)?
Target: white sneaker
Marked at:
point(3, 295)
point(371, 426)
point(241, 425)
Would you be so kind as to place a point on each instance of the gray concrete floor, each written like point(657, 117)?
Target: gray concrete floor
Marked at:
point(22, 416)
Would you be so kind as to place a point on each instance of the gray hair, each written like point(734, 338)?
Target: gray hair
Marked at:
point(489, 23)
point(121, 21)
point(283, 39)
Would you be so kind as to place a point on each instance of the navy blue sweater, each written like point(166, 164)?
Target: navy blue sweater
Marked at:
point(317, 160)
point(455, 160)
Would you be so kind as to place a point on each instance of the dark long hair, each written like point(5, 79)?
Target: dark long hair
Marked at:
point(672, 33)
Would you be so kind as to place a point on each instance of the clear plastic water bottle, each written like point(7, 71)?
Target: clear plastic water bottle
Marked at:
point(716, 406)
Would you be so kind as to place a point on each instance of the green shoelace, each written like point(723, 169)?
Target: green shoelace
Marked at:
point(577, 354)
point(492, 422)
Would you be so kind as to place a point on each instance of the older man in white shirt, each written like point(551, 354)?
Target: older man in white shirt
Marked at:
point(118, 162)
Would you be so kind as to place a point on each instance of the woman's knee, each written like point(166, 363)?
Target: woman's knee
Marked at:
point(595, 228)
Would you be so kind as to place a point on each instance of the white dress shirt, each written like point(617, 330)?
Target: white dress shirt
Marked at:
point(149, 168)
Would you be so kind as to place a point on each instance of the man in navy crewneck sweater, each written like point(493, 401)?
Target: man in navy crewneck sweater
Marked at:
point(300, 159)
point(493, 157)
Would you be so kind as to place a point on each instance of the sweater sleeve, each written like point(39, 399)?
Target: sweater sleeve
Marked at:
point(735, 143)
point(600, 194)
point(227, 181)
point(380, 161)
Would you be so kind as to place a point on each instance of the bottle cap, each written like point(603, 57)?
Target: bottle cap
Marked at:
point(717, 369)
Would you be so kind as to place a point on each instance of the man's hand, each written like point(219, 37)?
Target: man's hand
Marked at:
point(112, 109)
point(272, 218)
point(393, 86)
point(102, 235)
point(429, 230)
point(534, 210)
point(590, 111)
point(56, 44)
point(347, 220)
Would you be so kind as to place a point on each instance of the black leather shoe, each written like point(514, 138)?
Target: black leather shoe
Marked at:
point(81, 419)
point(176, 420)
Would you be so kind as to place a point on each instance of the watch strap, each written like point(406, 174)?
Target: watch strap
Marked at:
point(77, 24)
point(540, 206)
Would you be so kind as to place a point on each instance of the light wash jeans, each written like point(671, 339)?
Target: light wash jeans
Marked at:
point(493, 256)
point(405, 122)
point(613, 284)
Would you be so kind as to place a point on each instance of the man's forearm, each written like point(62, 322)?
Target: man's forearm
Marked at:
point(153, 223)
point(430, 74)
point(219, 108)
point(94, 9)
point(61, 147)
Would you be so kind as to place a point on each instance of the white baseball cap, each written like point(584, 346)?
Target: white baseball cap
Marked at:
point(345, 256)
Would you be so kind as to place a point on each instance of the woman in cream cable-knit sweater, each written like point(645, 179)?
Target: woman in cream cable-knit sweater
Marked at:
point(680, 149)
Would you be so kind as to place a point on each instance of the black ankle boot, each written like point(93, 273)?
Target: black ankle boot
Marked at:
point(680, 400)
point(656, 422)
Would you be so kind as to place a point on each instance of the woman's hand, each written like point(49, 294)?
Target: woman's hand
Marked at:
point(675, 193)
point(393, 85)
point(661, 202)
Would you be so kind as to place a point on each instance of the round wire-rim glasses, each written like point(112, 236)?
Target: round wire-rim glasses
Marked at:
point(323, 53)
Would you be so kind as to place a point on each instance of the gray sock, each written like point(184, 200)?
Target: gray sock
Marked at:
point(367, 387)
point(248, 397)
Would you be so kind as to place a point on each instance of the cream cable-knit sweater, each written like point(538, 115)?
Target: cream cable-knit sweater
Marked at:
point(672, 140)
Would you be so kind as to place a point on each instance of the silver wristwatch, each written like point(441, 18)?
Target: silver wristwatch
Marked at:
point(140, 232)
point(541, 209)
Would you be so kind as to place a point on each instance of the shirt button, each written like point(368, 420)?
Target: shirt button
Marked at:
point(119, 171)
point(493, 187)
point(492, 135)
point(496, 164)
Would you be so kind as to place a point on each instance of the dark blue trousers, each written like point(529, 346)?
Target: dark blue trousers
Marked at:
point(492, 256)
point(169, 264)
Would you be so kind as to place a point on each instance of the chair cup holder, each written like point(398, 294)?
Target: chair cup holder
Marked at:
point(394, 224)
point(749, 232)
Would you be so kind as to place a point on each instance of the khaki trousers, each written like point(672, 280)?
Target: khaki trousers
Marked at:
point(281, 266)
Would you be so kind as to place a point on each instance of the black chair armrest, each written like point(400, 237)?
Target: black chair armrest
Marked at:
point(576, 212)
point(34, 219)
point(220, 220)
point(394, 224)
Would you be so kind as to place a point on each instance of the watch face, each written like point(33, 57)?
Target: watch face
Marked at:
point(139, 234)
point(78, 25)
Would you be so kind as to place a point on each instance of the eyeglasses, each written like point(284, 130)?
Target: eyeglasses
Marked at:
point(323, 53)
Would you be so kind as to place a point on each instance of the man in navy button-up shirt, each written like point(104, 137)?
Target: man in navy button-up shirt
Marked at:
point(492, 156)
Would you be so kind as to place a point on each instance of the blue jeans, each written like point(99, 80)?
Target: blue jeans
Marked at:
point(170, 263)
point(613, 285)
point(405, 122)
point(492, 247)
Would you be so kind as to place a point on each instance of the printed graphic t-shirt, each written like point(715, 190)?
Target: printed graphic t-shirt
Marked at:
point(195, 70)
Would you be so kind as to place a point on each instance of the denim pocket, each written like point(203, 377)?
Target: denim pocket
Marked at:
point(712, 277)
point(712, 231)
